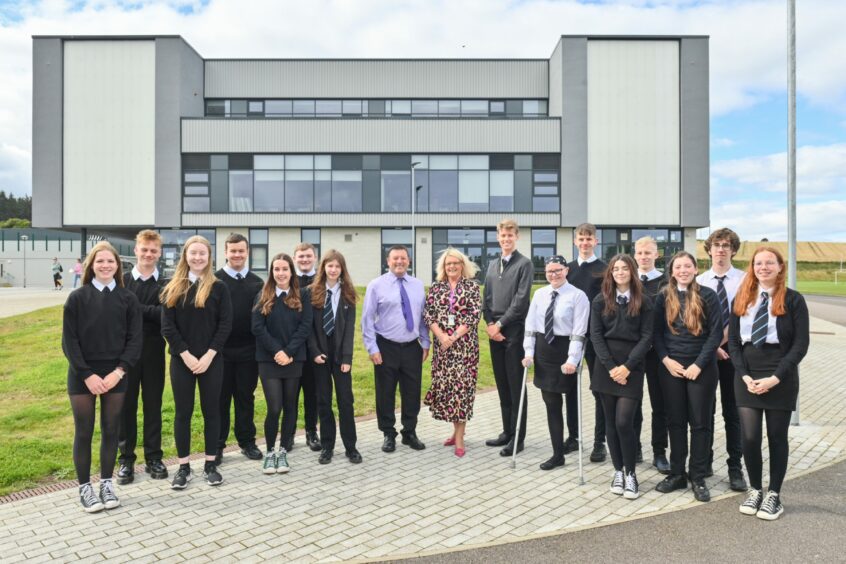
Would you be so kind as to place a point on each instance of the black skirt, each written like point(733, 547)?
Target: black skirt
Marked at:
point(600, 378)
point(76, 385)
point(273, 370)
point(762, 363)
point(548, 361)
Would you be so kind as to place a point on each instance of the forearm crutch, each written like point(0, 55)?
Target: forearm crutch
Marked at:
point(516, 439)
point(579, 408)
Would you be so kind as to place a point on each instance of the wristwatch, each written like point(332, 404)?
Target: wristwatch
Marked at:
point(498, 324)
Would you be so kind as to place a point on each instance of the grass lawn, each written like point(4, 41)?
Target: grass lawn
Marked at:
point(823, 287)
point(35, 415)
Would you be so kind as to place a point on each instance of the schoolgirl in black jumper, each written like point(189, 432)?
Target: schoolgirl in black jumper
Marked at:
point(621, 325)
point(330, 348)
point(196, 321)
point(768, 337)
point(281, 324)
point(102, 338)
point(688, 330)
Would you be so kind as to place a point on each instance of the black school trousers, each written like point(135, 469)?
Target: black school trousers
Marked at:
point(240, 379)
point(146, 379)
point(402, 364)
point(506, 358)
point(325, 375)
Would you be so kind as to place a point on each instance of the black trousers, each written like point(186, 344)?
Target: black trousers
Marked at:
point(325, 375)
point(572, 406)
point(308, 389)
point(731, 419)
point(240, 379)
point(402, 363)
point(146, 378)
point(506, 358)
point(656, 400)
point(689, 404)
point(183, 382)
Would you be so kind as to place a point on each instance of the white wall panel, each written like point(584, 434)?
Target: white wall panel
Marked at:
point(633, 132)
point(109, 132)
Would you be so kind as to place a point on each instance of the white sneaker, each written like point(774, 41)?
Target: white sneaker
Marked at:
point(90, 502)
point(618, 483)
point(771, 507)
point(631, 491)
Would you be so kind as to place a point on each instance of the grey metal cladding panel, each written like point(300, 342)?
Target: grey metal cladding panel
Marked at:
point(695, 150)
point(365, 220)
point(370, 136)
point(574, 134)
point(47, 66)
point(556, 68)
point(376, 79)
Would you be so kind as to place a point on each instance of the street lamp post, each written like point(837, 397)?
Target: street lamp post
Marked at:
point(413, 229)
point(791, 158)
point(24, 238)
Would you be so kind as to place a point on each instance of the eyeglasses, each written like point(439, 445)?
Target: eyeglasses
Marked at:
point(725, 246)
point(555, 272)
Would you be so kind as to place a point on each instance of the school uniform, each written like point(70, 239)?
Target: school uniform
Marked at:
point(308, 383)
point(332, 333)
point(240, 369)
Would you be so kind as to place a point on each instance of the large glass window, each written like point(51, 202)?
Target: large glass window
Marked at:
point(269, 190)
point(502, 191)
point(443, 191)
point(241, 190)
point(391, 237)
point(478, 244)
point(258, 250)
point(311, 236)
point(299, 191)
point(396, 191)
point(473, 191)
point(543, 247)
point(346, 191)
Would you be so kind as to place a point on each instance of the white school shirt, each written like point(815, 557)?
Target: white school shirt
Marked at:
point(747, 320)
point(234, 273)
point(336, 297)
point(100, 287)
point(734, 276)
point(136, 274)
point(570, 318)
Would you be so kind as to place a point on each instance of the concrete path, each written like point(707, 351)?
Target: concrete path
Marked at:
point(395, 505)
point(15, 301)
point(830, 308)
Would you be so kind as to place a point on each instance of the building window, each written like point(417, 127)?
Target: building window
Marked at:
point(258, 250)
point(480, 245)
point(172, 242)
point(391, 237)
point(613, 241)
point(543, 247)
point(311, 236)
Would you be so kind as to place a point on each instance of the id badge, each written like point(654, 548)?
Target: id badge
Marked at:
point(450, 320)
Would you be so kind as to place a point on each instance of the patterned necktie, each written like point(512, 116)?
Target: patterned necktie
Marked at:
point(759, 326)
point(328, 315)
point(724, 300)
point(406, 306)
point(622, 300)
point(548, 333)
point(238, 276)
point(644, 278)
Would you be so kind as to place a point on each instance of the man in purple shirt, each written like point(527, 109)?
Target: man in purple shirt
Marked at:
point(397, 341)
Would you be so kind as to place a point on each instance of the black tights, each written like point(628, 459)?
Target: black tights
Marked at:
point(619, 429)
point(282, 397)
point(83, 407)
point(555, 420)
point(778, 423)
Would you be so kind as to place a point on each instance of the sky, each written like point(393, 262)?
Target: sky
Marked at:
point(748, 73)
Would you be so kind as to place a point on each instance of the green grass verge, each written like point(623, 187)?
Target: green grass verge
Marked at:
point(827, 288)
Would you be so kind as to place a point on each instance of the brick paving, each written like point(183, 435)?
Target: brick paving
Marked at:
point(403, 503)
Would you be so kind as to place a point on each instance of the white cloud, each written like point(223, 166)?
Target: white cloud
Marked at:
point(722, 142)
point(754, 219)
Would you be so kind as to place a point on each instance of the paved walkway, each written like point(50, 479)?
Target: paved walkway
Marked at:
point(14, 301)
point(400, 504)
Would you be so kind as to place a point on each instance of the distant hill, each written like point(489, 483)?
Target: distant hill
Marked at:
point(806, 251)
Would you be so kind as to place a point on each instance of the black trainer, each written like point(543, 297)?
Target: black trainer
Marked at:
point(599, 453)
point(771, 507)
point(752, 503)
point(252, 452)
point(90, 502)
point(700, 491)
point(313, 441)
point(672, 483)
point(571, 445)
point(108, 495)
point(210, 473)
point(736, 481)
point(126, 473)
point(156, 469)
point(182, 477)
point(632, 490)
point(660, 462)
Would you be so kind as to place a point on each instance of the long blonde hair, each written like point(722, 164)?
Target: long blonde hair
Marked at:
point(177, 289)
point(88, 265)
point(694, 309)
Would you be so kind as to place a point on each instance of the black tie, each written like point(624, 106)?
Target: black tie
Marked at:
point(107, 290)
point(724, 300)
point(644, 278)
point(622, 300)
point(759, 326)
point(328, 315)
point(548, 333)
point(238, 276)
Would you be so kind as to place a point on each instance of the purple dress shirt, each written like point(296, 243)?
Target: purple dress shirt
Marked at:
point(382, 313)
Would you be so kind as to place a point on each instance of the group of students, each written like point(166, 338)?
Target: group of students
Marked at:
point(684, 334)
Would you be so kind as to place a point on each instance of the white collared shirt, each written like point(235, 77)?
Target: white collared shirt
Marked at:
point(280, 291)
point(311, 272)
point(336, 297)
point(627, 294)
point(136, 274)
point(581, 261)
point(234, 273)
point(734, 276)
point(192, 277)
point(100, 287)
point(572, 310)
point(651, 275)
point(747, 320)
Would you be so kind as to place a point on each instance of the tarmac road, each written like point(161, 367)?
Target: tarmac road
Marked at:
point(812, 529)
point(830, 308)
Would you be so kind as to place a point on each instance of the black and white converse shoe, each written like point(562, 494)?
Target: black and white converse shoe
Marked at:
point(182, 477)
point(771, 507)
point(90, 502)
point(618, 483)
point(210, 473)
point(752, 503)
point(108, 495)
point(631, 491)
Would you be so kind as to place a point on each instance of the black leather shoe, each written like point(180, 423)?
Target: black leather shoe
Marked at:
point(672, 483)
point(411, 440)
point(156, 469)
point(313, 441)
point(509, 449)
point(639, 455)
point(552, 463)
point(501, 440)
point(354, 456)
point(218, 457)
point(252, 452)
point(700, 491)
point(125, 474)
point(599, 453)
point(736, 481)
point(571, 445)
point(661, 463)
point(389, 444)
point(325, 456)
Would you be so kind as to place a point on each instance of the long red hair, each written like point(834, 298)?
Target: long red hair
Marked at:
point(747, 293)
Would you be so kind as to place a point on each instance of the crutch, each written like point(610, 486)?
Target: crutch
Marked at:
point(516, 439)
point(579, 403)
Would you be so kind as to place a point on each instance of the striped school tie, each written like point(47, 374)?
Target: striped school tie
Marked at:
point(548, 333)
point(759, 326)
point(328, 315)
point(724, 300)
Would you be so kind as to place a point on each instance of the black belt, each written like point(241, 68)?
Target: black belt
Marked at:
point(397, 343)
